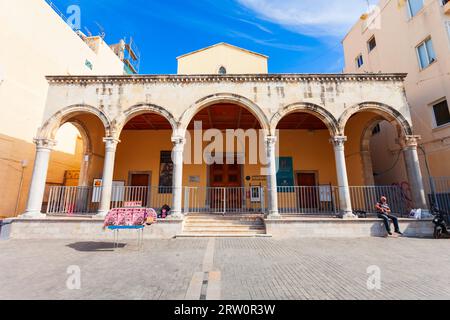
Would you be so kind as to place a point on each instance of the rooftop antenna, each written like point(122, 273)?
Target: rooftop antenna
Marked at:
point(102, 30)
point(88, 32)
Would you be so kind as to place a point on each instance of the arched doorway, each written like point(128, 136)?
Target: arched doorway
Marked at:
point(75, 162)
point(143, 170)
point(376, 161)
point(224, 160)
point(306, 173)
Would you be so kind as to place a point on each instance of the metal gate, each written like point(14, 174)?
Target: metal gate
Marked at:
point(224, 200)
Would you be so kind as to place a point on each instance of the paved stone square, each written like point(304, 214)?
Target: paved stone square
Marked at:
point(254, 268)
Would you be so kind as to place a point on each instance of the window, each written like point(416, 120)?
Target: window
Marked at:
point(88, 64)
point(426, 53)
point(372, 43)
point(414, 6)
point(359, 61)
point(222, 70)
point(441, 113)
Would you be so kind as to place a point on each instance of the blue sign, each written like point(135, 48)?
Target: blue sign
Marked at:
point(285, 172)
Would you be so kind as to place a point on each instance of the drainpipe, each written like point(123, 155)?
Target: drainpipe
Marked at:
point(432, 186)
point(24, 164)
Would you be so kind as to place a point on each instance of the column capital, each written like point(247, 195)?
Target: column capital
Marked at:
point(411, 141)
point(111, 143)
point(338, 141)
point(44, 144)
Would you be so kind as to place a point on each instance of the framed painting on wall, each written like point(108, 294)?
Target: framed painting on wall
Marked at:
point(165, 172)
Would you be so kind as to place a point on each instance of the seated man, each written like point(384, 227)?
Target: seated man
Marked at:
point(384, 212)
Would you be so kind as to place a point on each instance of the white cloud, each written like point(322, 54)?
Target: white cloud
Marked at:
point(310, 17)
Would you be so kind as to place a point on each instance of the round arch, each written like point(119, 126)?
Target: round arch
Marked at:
point(386, 112)
point(205, 102)
point(85, 137)
point(327, 118)
point(51, 126)
point(138, 110)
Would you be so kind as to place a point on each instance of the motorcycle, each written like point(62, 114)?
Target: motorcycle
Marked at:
point(441, 223)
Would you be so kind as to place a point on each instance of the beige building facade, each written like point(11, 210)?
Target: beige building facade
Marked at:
point(310, 136)
point(412, 37)
point(37, 42)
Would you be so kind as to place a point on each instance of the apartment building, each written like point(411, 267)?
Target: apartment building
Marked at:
point(413, 37)
point(36, 42)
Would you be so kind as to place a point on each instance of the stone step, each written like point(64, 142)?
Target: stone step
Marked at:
point(222, 235)
point(215, 226)
point(225, 219)
point(207, 225)
point(222, 230)
point(225, 222)
point(218, 223)
point(212, 232)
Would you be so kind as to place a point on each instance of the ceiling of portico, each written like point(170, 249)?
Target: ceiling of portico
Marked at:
point(226, 116)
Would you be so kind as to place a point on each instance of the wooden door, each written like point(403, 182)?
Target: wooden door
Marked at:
point(225, 191)
point(141, 193)
point(308, 194)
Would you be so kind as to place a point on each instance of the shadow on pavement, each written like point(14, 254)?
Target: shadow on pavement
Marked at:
point(91, 246)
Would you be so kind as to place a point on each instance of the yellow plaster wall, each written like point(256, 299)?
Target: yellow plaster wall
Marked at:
point(354, 130)
point(140, 151)
point(235, 60)
point(311, 151)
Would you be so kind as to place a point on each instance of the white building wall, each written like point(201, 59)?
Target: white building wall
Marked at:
point(35, 42)
point(397, 36)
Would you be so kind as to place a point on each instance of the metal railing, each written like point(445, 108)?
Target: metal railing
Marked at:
point(73, 200)
point(86, 200)
point(224, 200)
point(149, 197)
point(320, 200)
point(364, 198)
point(438, 192)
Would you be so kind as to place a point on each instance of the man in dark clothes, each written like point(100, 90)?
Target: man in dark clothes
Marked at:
point(384, 212)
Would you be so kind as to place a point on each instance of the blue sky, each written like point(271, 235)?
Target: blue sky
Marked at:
point(298, 35)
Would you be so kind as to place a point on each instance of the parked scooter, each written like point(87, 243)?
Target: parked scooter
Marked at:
point(441, 223)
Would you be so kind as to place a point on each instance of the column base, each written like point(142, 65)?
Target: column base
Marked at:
point(176, 216)
point(33, 215)
point(101, 214)
point(348, 216)
point(274, 215)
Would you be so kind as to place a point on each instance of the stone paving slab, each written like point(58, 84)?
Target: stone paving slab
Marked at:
point(239, 269)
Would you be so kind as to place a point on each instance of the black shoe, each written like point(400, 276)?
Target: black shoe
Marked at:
point(389, 233)
point(399, 232)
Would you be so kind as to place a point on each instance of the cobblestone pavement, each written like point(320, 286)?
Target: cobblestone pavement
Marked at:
point(227, 269)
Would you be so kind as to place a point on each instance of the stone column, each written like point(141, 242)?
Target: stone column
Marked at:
point(37, 187)
point(272, 177)
point(341, 170)
point(108, 173)
point(177, 185)
point(415, 178)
